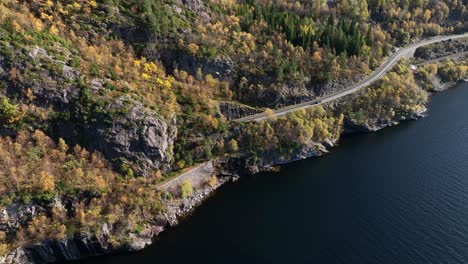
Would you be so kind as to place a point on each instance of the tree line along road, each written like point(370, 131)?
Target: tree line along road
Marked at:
point(377, 74)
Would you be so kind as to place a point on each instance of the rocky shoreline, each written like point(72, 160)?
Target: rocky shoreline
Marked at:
point(83, 245)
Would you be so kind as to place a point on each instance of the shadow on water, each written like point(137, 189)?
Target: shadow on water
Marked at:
point(395, 196)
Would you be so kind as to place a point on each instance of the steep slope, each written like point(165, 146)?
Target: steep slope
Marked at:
point(103, 101)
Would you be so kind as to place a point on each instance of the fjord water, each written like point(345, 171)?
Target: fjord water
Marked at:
point(396, 196)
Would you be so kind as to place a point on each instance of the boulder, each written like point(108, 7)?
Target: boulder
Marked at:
point(15, 215)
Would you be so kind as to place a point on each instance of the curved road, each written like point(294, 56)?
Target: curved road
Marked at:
point(377, 74)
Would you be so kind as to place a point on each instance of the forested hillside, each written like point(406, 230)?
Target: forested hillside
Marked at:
point(100, 101)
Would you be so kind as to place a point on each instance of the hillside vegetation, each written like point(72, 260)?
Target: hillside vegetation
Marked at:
point(102, 100)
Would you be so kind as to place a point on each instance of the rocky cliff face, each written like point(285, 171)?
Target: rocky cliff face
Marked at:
point(233, 110)
point(140, 136)
point(441, 49)
point(222, 68)
point(53, 86)
point(197, 7)
point(125, 129)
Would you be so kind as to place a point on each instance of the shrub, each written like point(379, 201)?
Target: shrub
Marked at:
point(3, 249)
point(180, 164)
point(212, 181)
point(186, 189)
point(139, 229)
point(188, 159)
point(232, 146)
point(9, 113)
point(94, 70)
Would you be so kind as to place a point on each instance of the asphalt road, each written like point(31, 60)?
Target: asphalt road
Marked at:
point(377, 74)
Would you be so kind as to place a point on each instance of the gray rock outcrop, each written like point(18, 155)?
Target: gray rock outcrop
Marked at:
point(140, 136)
point(441, 49)
point(232, 110)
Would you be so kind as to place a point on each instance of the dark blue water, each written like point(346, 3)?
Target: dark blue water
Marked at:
point(396, 196)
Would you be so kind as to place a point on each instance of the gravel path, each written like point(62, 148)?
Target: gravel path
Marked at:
point(197, 176)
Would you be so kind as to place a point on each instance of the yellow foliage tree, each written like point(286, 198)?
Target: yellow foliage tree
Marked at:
point(46, 182)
